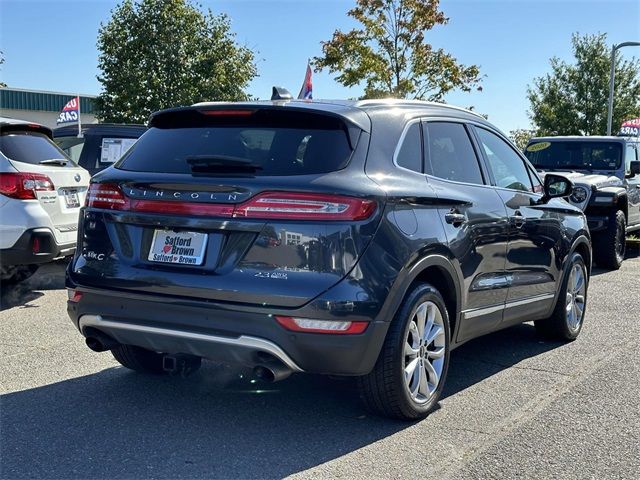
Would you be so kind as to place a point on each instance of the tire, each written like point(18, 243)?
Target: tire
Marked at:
point(565, 323)
point(138, 359)
point(384, 391)
point(609, 245)
point(13, 274)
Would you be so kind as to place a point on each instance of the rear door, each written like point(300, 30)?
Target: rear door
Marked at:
point(34, 152)
point(535, 231)
point(475, 222)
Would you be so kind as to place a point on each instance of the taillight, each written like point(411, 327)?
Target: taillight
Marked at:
point(24, 186)
point(268, 205)
point(305, 206)
point(106, 195)
point(310, 325)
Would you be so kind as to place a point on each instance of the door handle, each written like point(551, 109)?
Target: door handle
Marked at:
point(517, 219)
point(455, 218)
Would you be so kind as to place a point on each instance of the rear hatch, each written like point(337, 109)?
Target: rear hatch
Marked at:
point(258, 205)
point(31, 151)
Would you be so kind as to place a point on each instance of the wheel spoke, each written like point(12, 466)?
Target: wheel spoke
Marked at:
point(434, 378)
point(579, 283)
point(410, 370)
point(421, 316)
point(423, 387)
point(431, 313)
point(418, 373)
point(437, 353)
point(410, 351)
point(435, 332)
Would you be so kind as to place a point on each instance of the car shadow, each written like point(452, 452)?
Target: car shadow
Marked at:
point(49, 276)
point(214, 424)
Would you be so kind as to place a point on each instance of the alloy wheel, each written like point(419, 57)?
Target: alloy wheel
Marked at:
point(424, 352)
point(576, 296)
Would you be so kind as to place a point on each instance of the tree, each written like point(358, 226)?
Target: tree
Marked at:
point(389, 52)
point(521, 137)
point(572, 99)
point(156, 54)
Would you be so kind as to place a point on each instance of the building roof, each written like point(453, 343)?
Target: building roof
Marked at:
point(37, 100)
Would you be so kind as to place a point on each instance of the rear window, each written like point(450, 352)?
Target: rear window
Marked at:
point(72, 146)
point(264, 143)
point(29, 147)
point(575, 155)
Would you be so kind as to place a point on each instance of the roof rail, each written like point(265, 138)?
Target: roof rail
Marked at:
point(417, 103)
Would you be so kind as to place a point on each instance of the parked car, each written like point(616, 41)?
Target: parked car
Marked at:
point(41, 191)
point(349, 238)
point(606, 174)
point(100, 145)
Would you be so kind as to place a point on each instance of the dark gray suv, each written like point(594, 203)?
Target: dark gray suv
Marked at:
point(347, 238)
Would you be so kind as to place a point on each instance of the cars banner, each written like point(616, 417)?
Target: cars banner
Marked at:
point(70, 113)
point(630, 128)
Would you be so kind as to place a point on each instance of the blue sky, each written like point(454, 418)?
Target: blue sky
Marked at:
point(51, 45)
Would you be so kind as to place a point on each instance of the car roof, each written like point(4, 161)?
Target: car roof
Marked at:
point(16, 124)
point(355, 111)
point(580, 138)
point(97, 128)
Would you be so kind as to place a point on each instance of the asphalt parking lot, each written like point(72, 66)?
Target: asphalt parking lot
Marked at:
point(514, 406)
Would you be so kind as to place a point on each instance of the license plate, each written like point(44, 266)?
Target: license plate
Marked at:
point(71, 198)
point(184, 248)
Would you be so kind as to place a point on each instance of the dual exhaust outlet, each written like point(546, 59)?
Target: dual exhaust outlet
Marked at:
point(268, 369)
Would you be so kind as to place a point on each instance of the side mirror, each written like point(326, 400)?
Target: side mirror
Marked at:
point(556, 186)
point(635, 168)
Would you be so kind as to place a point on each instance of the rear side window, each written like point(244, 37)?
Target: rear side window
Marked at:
point(410, 153)
point(450, 154)
point(29, 147)
point(264, 143)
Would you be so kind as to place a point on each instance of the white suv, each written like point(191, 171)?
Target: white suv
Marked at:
point(41, 191)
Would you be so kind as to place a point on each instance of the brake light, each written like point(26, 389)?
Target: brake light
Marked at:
point(106, 195)
point(24, 186)
point(227, 113)
point(333, 327)
point(305, 206)
point(276, 205)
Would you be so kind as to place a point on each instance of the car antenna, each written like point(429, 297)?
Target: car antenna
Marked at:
point(280, 93)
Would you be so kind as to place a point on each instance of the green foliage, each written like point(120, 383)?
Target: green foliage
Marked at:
point(389, 52)
point(156, 54)
point(572, 99)
point(521, 137)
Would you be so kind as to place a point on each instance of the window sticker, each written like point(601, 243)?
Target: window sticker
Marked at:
point(114, 148)
point(536, 147)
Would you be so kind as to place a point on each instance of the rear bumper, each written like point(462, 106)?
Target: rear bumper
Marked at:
point(23, 252)
point(231, 334)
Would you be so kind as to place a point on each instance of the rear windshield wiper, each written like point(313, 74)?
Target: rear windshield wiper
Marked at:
point(54, 161)
point(221, 164)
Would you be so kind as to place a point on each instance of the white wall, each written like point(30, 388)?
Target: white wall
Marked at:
point(44, 118)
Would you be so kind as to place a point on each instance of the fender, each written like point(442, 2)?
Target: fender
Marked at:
point(408, 275)
point(581, 238)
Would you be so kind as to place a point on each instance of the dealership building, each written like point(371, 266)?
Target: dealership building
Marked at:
point(41, 106)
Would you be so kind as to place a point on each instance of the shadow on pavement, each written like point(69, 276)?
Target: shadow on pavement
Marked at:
point(49, 276)
point(119, 424)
